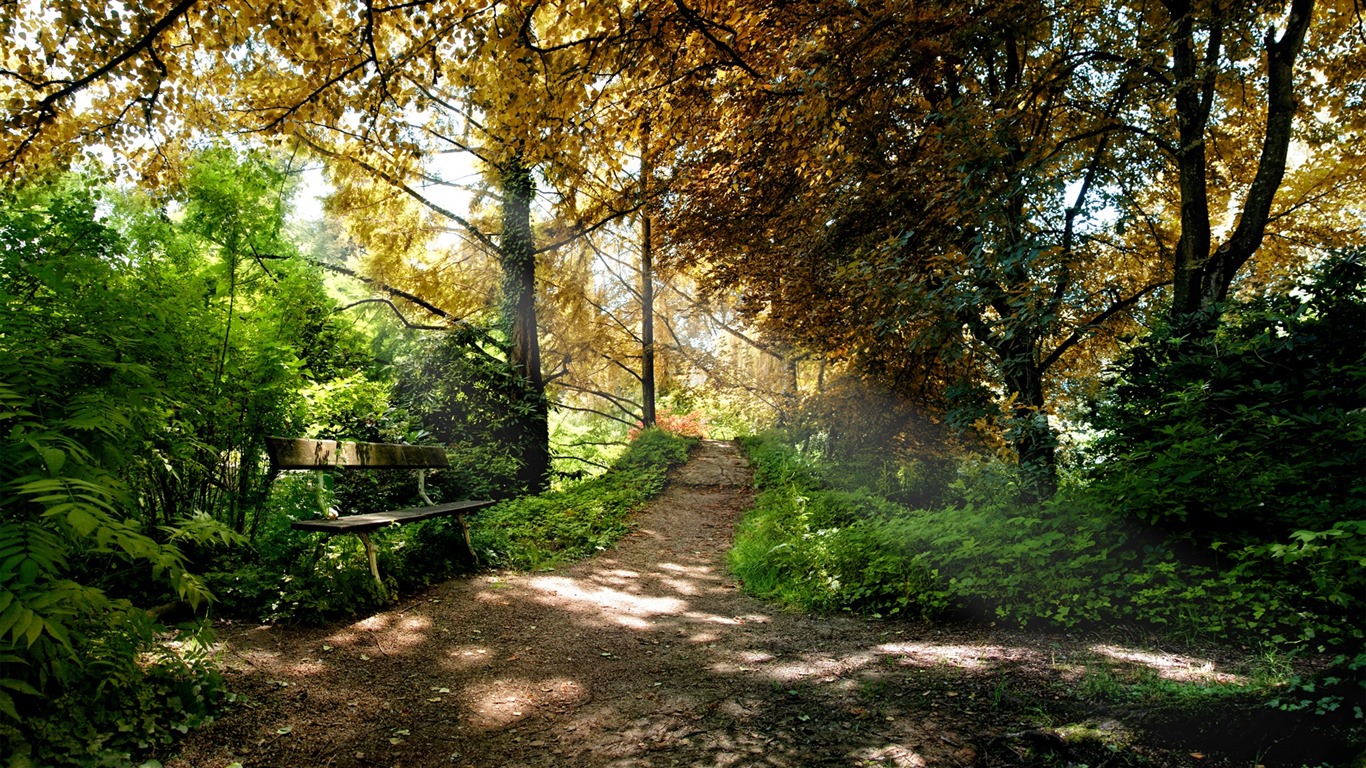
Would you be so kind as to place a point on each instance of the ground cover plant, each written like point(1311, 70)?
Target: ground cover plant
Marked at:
point(561, 526)
point(1069, 564)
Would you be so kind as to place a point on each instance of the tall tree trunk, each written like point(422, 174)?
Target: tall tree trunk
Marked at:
point(647, 286)
point(517, 253)
point(1202, 278)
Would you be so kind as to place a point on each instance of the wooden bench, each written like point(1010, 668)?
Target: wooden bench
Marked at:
point(292, 453)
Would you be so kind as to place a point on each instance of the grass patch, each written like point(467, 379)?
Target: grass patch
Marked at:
point(561, 526)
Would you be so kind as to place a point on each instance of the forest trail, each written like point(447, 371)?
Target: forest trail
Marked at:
point(648, 655)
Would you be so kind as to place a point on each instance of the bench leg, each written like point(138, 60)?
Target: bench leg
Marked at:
point(465, 529)
point(370, 555)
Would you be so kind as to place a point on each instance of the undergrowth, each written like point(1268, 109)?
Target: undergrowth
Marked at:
point(309, 577)
point(555, 528)
point(129, 687)
point(1065, 563)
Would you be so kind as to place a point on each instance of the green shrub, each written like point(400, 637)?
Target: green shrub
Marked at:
point(821, 548)
point(1068, 562)
point(128, 687)
point(561, 526)
point(1253, 432)
point(82, 407)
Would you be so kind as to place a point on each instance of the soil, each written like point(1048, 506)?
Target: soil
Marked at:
point(650, 655)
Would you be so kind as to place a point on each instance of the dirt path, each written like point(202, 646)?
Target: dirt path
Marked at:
point(645, 656)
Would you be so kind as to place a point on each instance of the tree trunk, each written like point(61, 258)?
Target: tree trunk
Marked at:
point(518, 316)
point(1201, 278)
point(1030, 434)
point(647, 287)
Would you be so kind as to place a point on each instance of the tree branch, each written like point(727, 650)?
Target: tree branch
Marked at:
point(577, 458)
point(613, 399)
point(397, 313)
point(1095, 322)
point(397, 183)
point(1280, 115)
point(46, 111)
point(594, 410)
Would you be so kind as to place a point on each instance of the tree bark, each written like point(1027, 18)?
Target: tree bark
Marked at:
point(1201, 278)
point(517, 252)
point(647, 287)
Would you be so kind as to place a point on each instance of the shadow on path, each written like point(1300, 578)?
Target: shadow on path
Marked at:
point(648, 655)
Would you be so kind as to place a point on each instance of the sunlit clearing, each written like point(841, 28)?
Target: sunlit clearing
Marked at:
point(822, 669)
point(612, 604)
point(891, 755)
point(1171, 666)
point(503, 702)
point(714, 619)
point(469, 653)
point(961, 656)
point(693, 571)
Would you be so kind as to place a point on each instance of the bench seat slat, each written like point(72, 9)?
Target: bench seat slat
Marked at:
point(374, 520)
point(292, 453)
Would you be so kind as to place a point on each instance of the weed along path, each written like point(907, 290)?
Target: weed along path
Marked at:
point(649, 655)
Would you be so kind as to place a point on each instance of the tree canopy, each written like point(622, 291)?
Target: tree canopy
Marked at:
point(970, 204)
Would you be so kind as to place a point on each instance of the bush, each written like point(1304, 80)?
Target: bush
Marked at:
point(561, 526)
point(814, 547)
point(1253, 432)
point(128, 688)
point(692, 424)
point(1068, 562)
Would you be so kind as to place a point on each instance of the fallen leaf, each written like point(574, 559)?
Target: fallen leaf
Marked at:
point(1198, 755)
point(284, 730)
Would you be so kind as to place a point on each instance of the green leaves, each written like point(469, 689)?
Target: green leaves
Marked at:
point(564, 525)
point(1254, 431)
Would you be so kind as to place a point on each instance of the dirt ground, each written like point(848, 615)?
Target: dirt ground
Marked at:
point(649, 655)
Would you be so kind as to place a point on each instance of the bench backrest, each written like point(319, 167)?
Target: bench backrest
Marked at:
point(293, 453)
